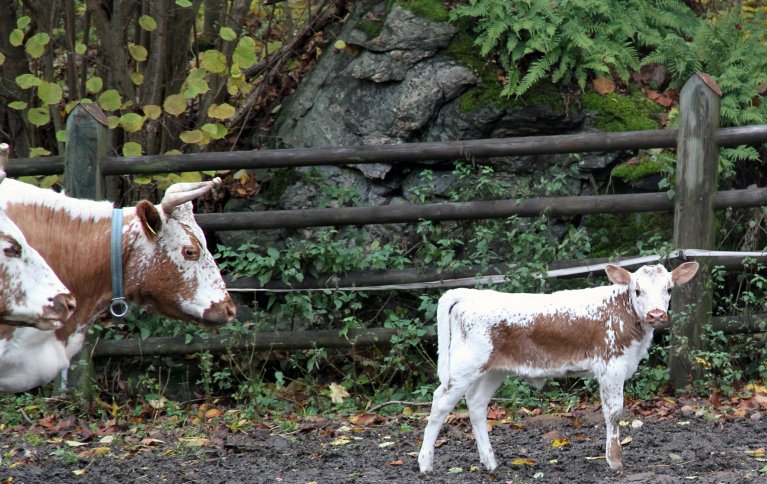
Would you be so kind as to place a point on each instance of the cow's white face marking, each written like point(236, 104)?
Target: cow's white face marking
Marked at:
point(28, 286)
point(176, 266)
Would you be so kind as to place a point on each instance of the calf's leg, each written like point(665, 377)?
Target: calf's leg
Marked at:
point(446, 396)
point(611, 392)
point(477, 398)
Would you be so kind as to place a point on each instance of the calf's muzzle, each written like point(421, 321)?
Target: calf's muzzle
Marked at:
point(656, 317)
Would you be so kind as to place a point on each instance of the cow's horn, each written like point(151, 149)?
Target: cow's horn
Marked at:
point(179, 193)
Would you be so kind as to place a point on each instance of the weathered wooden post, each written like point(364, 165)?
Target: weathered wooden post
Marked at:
point(87, 143)
point(696, 182)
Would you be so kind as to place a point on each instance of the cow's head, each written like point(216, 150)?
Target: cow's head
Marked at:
point(173, 273)
point(30, 292)
point(650, 288)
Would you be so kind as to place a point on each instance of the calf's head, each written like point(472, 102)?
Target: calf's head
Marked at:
point(650, 288)
point(30, 292)
point(174, 273)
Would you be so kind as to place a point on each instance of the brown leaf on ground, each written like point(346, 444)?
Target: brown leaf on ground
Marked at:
point(603, 85)
point(366, 419)
point(551, 435)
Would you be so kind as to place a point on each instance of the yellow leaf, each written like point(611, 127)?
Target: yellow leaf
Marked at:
point(152, 111)
point(74, 443)
point(702, 362)
point(339, 44)
point(107, 439)
point(175, 104)
point(595, 458)
point(100, 451)
point(523, 462)
point(194, 441)
point(603, 85)
point(191, 137)
point(760, 452)
point(79, 472)
point(337, 393)
point(626, 440)
point(342, 440)
point(560, 443)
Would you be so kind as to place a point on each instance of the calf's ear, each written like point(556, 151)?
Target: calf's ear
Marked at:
point(618, 275)
point(684, 272)
point(151, 221)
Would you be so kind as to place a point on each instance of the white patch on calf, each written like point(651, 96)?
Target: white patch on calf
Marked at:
point(18, 192)
point(30, 358)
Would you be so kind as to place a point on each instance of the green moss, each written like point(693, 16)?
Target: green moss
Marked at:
point(616, 112)
point(433, 10)
point(281, 178)
point(371, 27)
point(636, 171)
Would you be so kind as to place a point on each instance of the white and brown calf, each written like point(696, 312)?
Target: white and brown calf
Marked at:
point(599, 332)
point(30, 293)
point(167, 269)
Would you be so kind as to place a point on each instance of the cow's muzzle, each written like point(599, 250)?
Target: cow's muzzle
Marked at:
point(656, 318)
point(220, 313)
point(59, 310)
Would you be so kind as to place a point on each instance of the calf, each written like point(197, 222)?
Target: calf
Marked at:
point(599, 332)
point(30, 292)
point(167, 269)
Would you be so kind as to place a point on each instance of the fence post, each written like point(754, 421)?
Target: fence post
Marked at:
point(87, 143)
point(696, 181)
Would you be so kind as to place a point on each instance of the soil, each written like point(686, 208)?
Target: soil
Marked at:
point(691, 446)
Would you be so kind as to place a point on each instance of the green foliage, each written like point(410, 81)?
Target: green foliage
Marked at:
point(569, 41)
point(433, 10)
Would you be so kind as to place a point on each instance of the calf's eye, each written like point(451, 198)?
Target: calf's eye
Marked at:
point(14, 251)
point(190, 252)
point(638, 292)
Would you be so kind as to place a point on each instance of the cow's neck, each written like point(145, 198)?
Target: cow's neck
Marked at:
point(77, 250)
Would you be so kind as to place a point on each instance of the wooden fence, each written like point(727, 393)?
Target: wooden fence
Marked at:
point(86, 164)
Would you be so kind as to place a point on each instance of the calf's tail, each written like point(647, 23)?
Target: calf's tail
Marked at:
point(445, 304)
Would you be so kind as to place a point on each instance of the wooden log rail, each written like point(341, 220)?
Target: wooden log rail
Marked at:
point(553, 206)
point(407, 153)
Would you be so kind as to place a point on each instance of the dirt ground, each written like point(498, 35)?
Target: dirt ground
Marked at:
point(687, 445)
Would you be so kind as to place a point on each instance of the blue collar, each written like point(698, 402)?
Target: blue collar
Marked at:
point(119, 307)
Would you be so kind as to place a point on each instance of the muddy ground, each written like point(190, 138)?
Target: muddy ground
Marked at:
point(689, 445)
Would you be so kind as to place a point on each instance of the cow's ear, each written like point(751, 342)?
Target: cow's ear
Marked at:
point(684, 272)
point(618, 275)
point(150, 219)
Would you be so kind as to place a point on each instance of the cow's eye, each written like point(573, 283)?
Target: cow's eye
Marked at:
point(190, 252)
point(669, 290)
point(13, 250)
point(638, 292)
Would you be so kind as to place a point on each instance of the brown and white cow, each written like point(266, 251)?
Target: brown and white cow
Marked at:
point(167, 269)
point(599, 332)
point(30, 292)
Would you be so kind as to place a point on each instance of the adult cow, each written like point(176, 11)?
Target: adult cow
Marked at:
point(167, 268)
point(30, 292)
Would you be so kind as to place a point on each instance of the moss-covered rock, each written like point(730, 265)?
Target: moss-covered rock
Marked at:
point(433, 10)
point(616, 112)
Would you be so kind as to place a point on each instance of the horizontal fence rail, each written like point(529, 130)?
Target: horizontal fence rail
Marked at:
point(532, 207)
point(410, 152)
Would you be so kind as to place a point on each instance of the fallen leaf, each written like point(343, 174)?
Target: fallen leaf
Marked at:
point(337, 393)
point(455, 470)
point(626, 440)
point(550, 435)
point(107, 439)
point(100, 451)
point(523, 462)
point(760, 452)
point(74, 443)
point(395, 463)
point(595, 458)
point(365, 419)
point(193, 441)
point(213, 412)
point(560, 443)
point(343, 440)
point(385, 444)
point(763, 470)
point(537, 475)
point(603, 85)
point(412, 454)
point(675, 457)
point(439, 443)
point(79, 472)
point(150, 441)
point(635, 424)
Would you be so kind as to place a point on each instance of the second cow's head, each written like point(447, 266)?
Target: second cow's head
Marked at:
point(650, 288)
point(170, 271)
